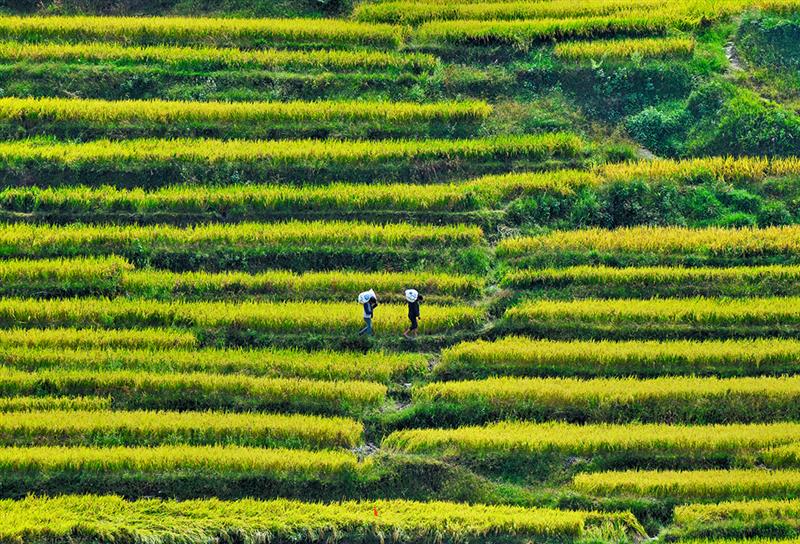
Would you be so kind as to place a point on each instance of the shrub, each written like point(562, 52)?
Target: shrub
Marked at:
point(658, 130)
point(770, 39)
point(708, 99)
point(748, 125)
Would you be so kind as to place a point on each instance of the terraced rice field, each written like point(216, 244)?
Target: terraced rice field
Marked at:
point(596, 199)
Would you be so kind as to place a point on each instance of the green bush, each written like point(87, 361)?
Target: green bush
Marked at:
point(658, 130)
point(615, 91)
point(653, 202)
point(774, 213)
point(708, 99)
point(749, 125)
point(770, 40)
point(738, 220)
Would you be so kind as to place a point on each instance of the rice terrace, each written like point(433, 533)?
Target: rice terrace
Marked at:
point(399, 271)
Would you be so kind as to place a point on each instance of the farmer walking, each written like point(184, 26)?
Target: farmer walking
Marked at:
point(368, 301)
point(413, 298)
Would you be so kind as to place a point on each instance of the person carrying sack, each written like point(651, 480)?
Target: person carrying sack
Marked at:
point(368, 301)
point(413, 298)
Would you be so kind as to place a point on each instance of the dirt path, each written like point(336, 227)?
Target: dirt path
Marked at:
point(645, 154)
point(733, 57)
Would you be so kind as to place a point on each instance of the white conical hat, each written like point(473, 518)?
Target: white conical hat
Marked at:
point(411, 295)
point(364, 297)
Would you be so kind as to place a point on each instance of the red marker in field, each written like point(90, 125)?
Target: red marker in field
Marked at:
point(375, 511)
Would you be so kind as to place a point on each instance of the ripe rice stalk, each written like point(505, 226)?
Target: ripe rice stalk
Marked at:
point(256, 199)
point(519, 356)
point(199, 391)
point(692, 484)
point(663, 48)
point(196, 521)
point(679, 399)
point(30, 112)
point(152, 428)
point(526, 440)
point(266, 318)
point(662, 241)
point(71, 338)
point(63, 404)
point(376, 366)
point(244, 33)
point(213, 57)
